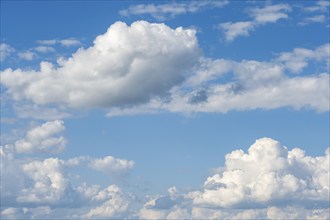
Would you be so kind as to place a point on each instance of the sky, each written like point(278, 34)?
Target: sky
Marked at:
point(165, 109)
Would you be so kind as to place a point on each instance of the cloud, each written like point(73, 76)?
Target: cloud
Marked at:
point(42, 139)
point(114, 203)
point(224, 85)
point(270, 13)
point(5, 51)
point(44, 49)
point(269, 174)
point(27, 55)
point(69, 42)
point(111, 165)
point(320, 6)
point(269, 181)
point(235, 29)
point(163, 11)
point(298, 59)
point(125, 66)
point(261, 16)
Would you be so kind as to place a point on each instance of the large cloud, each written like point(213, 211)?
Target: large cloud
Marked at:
point(269, 174)
point(125, 66)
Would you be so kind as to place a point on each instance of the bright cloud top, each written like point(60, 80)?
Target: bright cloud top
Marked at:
point(127, 65)
point(269, 174)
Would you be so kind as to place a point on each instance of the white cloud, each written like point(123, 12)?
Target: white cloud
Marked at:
point(268, 174)
point(320, 6)
point(27, 55)
point(5, 51)
point(125, 66)
point(235, 29)
point(298, 59)
point(114, 203)
point(44, 49)
point(69, 42)
point(163, 11)
point(111, 165)
point(270, 13)
point(261, 16)
point(42, 139)
point(313, 19)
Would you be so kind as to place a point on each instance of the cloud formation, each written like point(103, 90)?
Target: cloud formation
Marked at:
point(170, 10)
point(261, 16)
point(125, 66)
point(269, 181)
point(43, 139)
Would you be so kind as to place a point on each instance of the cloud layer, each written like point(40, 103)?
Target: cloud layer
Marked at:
point(268, 181)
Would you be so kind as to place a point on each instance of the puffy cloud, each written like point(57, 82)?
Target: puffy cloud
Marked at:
point(41, 139)
point(261, 16)
point(5, 51)
point(111, 165)
point(268, 174)
point(49, 183)
point(114, 203)
point(114, 70)
point(162, 11)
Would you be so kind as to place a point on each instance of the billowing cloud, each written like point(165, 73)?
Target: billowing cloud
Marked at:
point(163, 11)
point(261, 16)
point(269, 174)
point(125, 66)
point(43, 138)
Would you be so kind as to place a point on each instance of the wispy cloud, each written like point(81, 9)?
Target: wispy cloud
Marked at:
point(5, 51)
point(170, 10)
point(64, 42)
point(261, 16)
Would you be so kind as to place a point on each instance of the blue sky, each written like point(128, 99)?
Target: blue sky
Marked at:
point(165, 110)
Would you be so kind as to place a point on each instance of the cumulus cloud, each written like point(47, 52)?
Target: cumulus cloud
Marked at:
point(269, 174)
point(223, 85)
point(125, 66)
point(261, 16)
point(34, 187)
point(111, 165)
point(163, 11)
point(43, 139)
point(5, 51)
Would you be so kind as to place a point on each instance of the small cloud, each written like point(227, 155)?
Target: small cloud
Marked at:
point(314, 19)
point(5, 51)
point(44, 49)
point(27, 55)
point(42, 139)
point(69, 42)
